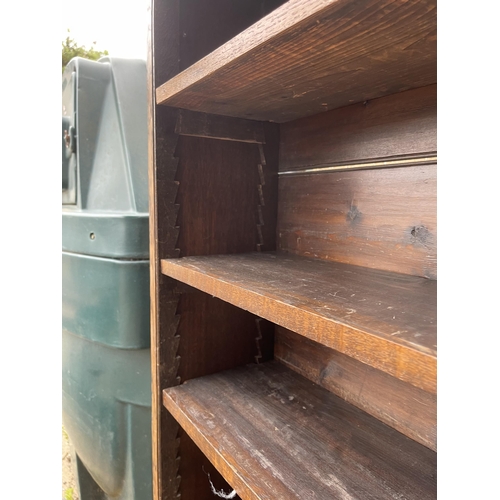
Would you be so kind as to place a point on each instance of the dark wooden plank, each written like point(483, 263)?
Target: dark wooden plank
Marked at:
point(165, 299)
point(398, 125)
point(275, 435)
point(386, 320)
point(230, 206)
point(224, 128)
point(215, 336)
point(163, 60)
point(382, 219)
point(217, 196)
point(310, 56)
point(402, 406)
point(196, 470)
point(207, 25)
point(213, 201)
point(171, 48)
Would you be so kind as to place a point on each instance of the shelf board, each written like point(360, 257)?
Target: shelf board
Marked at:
point(273, 434)
point(383, 319)
point(310, 56)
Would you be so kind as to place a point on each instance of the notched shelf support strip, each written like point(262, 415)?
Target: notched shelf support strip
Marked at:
point(260, 197)
point(386, 163)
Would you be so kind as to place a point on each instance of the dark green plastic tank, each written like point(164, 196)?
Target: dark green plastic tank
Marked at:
point(105, 271)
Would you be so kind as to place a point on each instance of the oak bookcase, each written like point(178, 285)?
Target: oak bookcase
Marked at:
point(292, 178)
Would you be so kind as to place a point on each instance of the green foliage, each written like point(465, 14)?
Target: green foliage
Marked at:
point(68, 494)
point(65, 434)
point(71, 49)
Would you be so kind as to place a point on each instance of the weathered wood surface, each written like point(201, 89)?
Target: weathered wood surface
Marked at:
point(174, 43)
point(402, 406)
point(224, 128)
point(383, 319)
point(310, 56)
point(162, 165)
point(194, 471)
point(224, 201)
point(217, 205)
point(382, 219)
point(215, 336)
point(205, 26)
point(212, 196)
point(396, 126)
point(218, 196)
point(218, 200)
point(275, 435)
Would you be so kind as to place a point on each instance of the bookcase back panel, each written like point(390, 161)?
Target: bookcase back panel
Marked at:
point(382, 218)
point(406, 408)
point(401, 125)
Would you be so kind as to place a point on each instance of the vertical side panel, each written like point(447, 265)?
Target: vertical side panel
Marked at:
point(204, 198)
point(217, 196)
point(163, 63)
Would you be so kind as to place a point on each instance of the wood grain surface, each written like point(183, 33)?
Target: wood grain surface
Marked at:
point(224, 201)
point(215, 336)
point(204, 26)
point(217, 196)
point(383, 319)
point(365, 335)
point(275, 435)
point(382, 219)
point(396, 126)
point(225, 128)
point(208, 203)
point(310, 56)
point(402, 406)
point(169, 51)
point(163, 63)
point(196, 472)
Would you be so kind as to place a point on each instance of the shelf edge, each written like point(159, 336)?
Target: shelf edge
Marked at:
point(239, 46)
point(209, 449)
point(391, 357)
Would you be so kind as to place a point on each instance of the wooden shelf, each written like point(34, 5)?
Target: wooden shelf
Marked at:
point(275, 435)
point(346, 306)
point(310, 56)
point(383, 319)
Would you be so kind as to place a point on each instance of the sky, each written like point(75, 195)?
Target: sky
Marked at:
point(118, 26)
